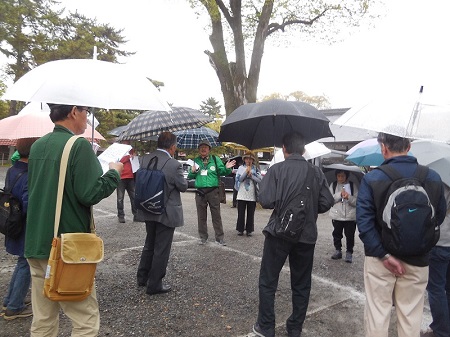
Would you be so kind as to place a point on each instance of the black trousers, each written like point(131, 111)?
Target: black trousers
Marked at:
point(241, 224)
point(300, 263)
point(155, 255)
point(349, 228)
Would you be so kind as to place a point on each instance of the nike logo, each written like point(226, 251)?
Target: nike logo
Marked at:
point(410, 210)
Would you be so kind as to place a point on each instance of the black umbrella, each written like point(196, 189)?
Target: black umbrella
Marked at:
point(257, 125)
point(152, 123)
point(117, 131)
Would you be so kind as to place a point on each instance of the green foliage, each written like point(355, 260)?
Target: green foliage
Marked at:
point(32, 33)
point(4, 107)
point(320, 102)
point(211, 107)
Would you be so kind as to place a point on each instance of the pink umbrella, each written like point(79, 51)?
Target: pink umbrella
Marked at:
point(32, 122)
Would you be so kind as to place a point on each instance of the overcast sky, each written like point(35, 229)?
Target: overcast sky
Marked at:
point(408, 48)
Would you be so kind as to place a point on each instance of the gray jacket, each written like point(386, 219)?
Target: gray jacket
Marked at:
point(175, 183)
point(283, 181)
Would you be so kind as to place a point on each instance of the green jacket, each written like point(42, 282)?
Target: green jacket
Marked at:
point(84, 186)
point(211, 179)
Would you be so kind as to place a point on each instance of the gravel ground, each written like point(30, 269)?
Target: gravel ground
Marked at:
point(215, 288)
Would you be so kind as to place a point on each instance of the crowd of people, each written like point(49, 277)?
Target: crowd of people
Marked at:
point(389, 279)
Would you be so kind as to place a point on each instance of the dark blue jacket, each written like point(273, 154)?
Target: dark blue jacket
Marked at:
point(366, 206)
point(20, 191)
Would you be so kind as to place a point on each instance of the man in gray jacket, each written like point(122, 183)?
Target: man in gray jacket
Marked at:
point(160, 228)
point(278, 188)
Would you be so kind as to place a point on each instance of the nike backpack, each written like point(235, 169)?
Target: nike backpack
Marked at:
point(409, 226)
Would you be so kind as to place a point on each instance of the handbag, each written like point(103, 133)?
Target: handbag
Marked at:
point(12, 219)
point(74, 256)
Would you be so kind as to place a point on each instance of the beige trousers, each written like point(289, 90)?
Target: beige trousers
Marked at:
point(383, 290)
point(84, 315)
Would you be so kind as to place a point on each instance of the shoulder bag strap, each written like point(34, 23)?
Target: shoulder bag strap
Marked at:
point(9, 189)
point(61, 181)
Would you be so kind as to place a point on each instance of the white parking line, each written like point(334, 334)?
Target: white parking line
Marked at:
point(354, 294)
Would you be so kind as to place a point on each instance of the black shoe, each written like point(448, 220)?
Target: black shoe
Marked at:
point(294, 333)
point(337, 255)
point(164, 289)
point(141, 284)
point(121, 219)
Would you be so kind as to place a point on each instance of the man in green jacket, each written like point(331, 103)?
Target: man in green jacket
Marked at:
point(207, 170)
point(84, 186)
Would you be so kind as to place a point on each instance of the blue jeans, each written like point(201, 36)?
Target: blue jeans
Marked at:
point(300, 264)
point(18, 286)
point(439, 290)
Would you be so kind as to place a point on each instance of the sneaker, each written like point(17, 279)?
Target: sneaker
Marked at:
point(25, 312)
point(337, 255)
point(249, 234)
point(121, 219)
point(240, 233)
point(26, 301)
point(202, 242)
point(221, 242)
point(348, 257)
point(260, 332)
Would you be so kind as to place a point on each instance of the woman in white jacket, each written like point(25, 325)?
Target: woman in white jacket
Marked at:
point(343, 214)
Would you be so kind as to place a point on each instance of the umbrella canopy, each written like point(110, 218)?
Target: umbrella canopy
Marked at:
point(33, 121)
point(89, 83)
point(355, 173)
point(364, 143)
point(117, 131)
point(312, 150)
point(434, 155)
point(409, 117)
point(262, 124)
point(152, 123)
point(367, 156)
point(189, 138)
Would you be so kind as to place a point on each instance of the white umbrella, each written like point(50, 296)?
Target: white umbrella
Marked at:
point(410, 117)
point(87, 82)
point(312, 150)
point(434, 155)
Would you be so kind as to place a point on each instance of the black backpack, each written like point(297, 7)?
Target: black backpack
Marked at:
point(11, 217)
point(149, 192)
point(409, 226)
point(291, 221)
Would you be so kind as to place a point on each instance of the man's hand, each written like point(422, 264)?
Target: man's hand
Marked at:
point(116, 166)
point(230, 164)
point(394, 266)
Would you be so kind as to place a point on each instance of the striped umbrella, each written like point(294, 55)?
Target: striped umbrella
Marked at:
point(188, 139)
point(152, 123)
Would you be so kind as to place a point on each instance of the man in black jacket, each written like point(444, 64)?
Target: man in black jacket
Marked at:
point(279, 187)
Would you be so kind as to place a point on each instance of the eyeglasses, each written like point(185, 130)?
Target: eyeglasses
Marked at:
point(88, 110)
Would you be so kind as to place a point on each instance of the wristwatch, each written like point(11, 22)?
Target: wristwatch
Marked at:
point(385, 257)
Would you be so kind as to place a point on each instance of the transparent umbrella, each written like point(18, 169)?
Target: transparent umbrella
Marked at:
point(414, 116)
